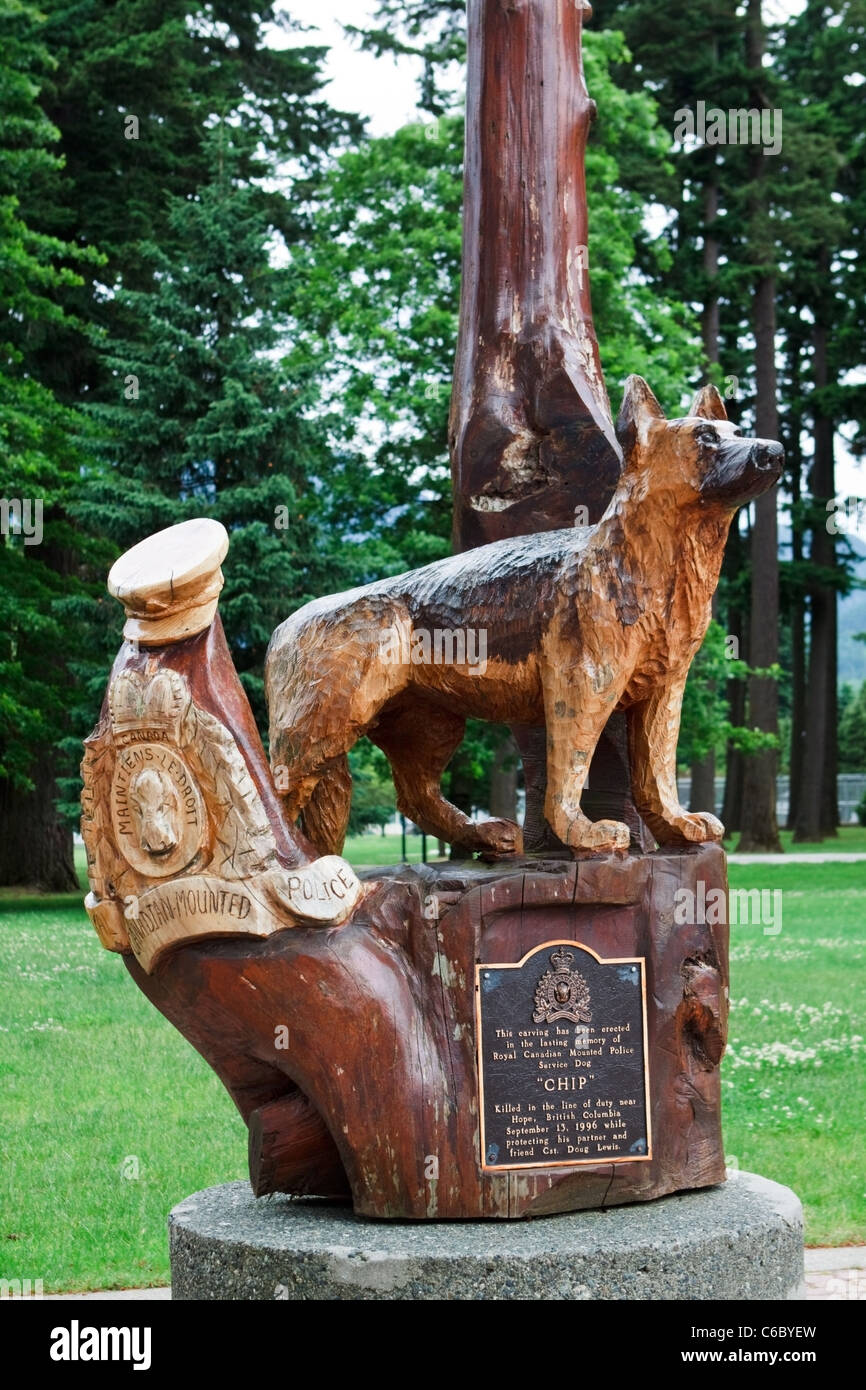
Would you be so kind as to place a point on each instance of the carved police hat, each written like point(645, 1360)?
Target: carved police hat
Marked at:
point(170, 584)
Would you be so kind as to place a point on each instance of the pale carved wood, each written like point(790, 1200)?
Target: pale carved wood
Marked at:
point(563, 628)
point(179, 832)
point(170, 583)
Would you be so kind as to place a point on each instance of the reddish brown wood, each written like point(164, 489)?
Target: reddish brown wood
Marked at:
point(381, 1026)
point(531, 431)
point(291, 1150)
point(354, 1045)
point(532, 441)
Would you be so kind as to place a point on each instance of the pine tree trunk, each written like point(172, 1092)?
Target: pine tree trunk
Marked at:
point(759, 830)
point(830, 782)
point(797, 612)
point(703, 771)
point(738, 626)
point(808, 827)
point(702, 796)
point(818, 813)
point(35, 845)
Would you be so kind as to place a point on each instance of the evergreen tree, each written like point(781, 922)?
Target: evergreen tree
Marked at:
point(133, 89)
point(207, 419)
point(852, 730)
point(821, 61)
point(44, 559)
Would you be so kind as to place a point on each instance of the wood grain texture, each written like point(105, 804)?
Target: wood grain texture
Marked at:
point(531, 431)
point(562, 629)
point(381, 1034)
point(350, 1046)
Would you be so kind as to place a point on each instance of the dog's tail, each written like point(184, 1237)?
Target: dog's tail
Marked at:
point(325, 818)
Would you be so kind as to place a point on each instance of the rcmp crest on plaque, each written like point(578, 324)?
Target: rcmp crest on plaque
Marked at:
point(562, 993)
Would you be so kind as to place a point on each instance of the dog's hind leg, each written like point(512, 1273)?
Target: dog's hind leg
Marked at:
point(419, 740)
point(325, 818)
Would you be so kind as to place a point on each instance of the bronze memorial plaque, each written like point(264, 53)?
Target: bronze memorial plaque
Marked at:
point(562, 1064)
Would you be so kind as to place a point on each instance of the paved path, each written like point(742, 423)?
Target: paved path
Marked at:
point(110, 1295)
point(838, 1275)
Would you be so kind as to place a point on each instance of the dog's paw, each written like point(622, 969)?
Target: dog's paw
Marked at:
point(599, 835)
point(700, 827)
point(498, 837)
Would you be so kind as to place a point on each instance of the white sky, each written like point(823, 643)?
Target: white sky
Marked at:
point(383, 90)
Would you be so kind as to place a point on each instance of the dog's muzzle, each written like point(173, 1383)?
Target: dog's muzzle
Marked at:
point(743, 470)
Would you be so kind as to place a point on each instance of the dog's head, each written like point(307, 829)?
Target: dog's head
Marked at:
point(701, 458)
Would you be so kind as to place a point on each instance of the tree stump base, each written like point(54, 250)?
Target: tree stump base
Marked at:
point(352, 1052)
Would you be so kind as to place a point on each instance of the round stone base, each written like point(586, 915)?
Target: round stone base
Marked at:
point(743, 1240)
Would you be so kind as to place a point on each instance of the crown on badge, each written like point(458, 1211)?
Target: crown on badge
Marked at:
point(561, 959)
point(140, 702)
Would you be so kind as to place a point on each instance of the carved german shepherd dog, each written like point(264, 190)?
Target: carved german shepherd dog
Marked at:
point(577, 623)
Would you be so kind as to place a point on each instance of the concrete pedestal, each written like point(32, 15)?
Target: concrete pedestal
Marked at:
point(742, 1240)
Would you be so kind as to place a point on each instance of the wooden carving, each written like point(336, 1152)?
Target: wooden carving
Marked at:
point(344, 1017)
point(361, 1027)
point(564, 628)
point(532, 438)
point(179, 844)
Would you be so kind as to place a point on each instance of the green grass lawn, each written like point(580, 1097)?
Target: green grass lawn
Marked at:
point(110, 1117)
point(851, 839)
point(795, 1074)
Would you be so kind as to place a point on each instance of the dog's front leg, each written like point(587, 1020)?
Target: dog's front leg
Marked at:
point(654, 728)
point(577, 706)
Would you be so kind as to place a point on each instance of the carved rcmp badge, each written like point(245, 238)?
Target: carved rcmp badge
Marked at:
point(562, 992)
point(178, 842)
point(156, 805)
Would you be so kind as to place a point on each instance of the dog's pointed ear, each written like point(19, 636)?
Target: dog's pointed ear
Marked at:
point(639, 408)
point(709, 405)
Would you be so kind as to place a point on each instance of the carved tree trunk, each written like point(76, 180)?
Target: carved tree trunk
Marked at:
point(531, 434)
point(531, 431)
